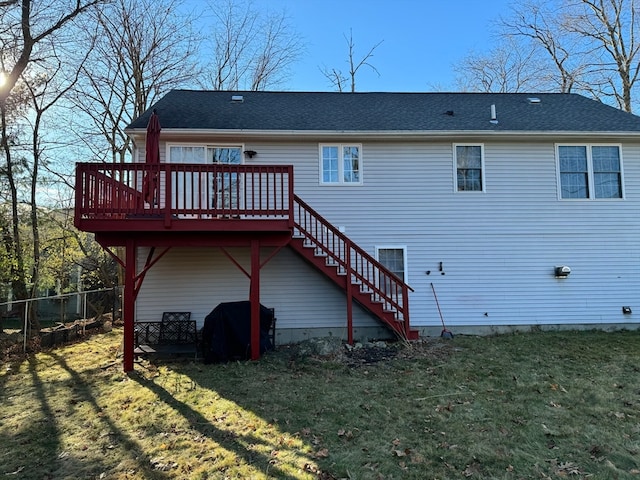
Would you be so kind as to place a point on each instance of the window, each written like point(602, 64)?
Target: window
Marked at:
point(195, 190)
point(469, 173)
point(394, 258)
point(589, 171)
point(205, 154)
point(340, 164)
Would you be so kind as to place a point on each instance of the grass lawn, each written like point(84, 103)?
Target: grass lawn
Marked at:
point(525, 406)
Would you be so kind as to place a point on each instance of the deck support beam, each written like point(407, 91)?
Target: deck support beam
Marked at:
point(254, 298)
point(128, 313)
point(349, 290)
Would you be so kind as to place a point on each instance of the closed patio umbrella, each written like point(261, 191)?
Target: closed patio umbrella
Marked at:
point(150, 183)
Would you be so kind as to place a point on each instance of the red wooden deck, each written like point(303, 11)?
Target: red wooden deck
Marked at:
point(129, 198)
point(166, 205)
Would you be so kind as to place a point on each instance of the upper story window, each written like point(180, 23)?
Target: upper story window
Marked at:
point(469, 164)
point(341, 164)
point(589, 171)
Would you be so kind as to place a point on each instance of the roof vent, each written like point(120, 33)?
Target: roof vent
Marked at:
point(237, 99)
point(533, 100)
point(494, 118)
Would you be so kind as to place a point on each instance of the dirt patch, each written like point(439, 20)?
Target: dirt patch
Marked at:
point(368, 353)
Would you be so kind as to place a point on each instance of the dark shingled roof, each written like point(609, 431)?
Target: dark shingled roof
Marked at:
point(371, 112)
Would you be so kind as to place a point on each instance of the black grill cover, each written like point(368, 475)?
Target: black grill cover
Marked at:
point(226, 334)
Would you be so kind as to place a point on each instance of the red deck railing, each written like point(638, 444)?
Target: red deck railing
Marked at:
point(359, 268)
point(189, 191)
point(129, 197)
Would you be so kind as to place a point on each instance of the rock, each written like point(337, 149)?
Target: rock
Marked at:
point(322, 346)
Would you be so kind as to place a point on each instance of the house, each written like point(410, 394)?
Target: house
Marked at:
point(364, 215)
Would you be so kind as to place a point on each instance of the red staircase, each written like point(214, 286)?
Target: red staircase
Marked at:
point(180, 204)
point(363, 278)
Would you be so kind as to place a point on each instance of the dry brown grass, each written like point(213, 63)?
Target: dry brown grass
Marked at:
point(540, 405)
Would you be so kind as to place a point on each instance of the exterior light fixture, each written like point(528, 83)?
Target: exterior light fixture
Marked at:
point(562, 271)
point(250, 153)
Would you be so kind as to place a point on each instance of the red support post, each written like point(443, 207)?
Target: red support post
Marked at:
point(254, 297)
point(405, 310)
point(349, 287)
point(129, 304)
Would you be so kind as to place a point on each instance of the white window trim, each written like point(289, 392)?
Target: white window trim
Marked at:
point(341, 182)
point(455, 168)
point(404, 257)
point(590, 178)
point(205, 145)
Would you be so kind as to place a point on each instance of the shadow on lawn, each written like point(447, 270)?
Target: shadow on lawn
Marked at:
point(201, 424)
point(44, 453)
point(127, 445)
point(39, 445)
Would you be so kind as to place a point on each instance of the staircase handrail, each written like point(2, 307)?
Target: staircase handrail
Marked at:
point(354, 260)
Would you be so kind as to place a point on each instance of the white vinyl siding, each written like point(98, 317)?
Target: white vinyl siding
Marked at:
point(198, 279)
point(497, 250)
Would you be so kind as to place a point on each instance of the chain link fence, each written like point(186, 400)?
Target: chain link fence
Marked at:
point(60, 318)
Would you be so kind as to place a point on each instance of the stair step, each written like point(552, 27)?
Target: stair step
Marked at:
point(324, 258)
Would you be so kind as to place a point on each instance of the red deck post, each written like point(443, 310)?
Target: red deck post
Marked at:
point(254, 297)
point(349, 287)
point(129, 304)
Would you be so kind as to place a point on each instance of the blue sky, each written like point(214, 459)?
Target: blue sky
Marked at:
point(421, 39)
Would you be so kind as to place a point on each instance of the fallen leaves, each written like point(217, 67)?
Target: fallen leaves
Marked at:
point(346, 434)
point(322, 453)
point(563, 469)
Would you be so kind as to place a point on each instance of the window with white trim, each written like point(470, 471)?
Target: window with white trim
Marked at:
point(469, 165)
point(395, 259)
point(191, 187)
point(205, 154)
point(340, 164)
point(589, 171)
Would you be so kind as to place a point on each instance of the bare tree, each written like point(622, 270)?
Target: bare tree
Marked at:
point(45, 88)
point(588, 46)
point(609, 29)
point(338, 79)
point(24, 29)
point(543, 24)
point(249, 49)
point(509, 67)
point(142, 48)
